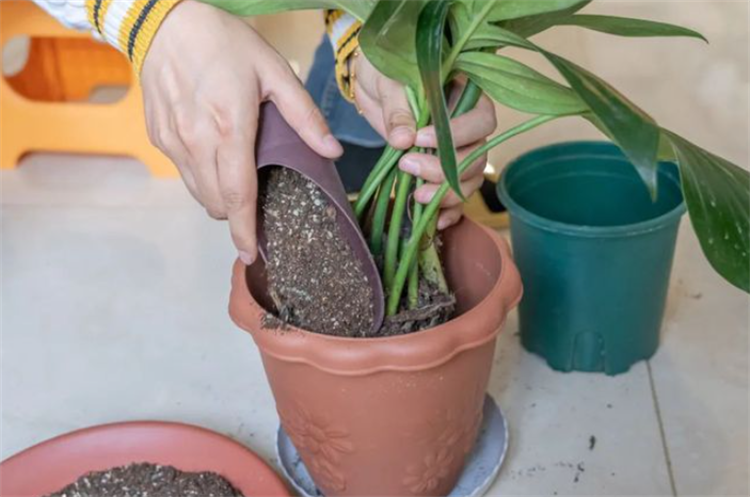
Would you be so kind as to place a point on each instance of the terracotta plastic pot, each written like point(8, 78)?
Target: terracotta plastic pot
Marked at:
point(389, 416)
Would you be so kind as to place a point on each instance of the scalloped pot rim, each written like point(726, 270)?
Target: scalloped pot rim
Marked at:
point(405, 353)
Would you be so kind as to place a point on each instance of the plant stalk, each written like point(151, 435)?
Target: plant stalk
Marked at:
point(413, 289)
point(428, 259)
point(377, 229)
point(403, 186)
point(387, 161)
point(384, 166)
point(431, 210)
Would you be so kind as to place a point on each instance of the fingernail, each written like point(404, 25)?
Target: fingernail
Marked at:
point(333, 144)
point(246, 258)
point(425, 138)
point(409, 165)
point(422, 196)
point(406, 131)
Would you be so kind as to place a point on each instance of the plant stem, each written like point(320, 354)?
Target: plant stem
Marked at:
point(387, 161)
point(415, 101)
point(431, 210)
point(384, 165)
point(381, 210)
point(403, 185)
point(468, 99)
point(413, 289)
point(429, 259)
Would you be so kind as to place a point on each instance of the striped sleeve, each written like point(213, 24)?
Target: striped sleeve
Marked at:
point(343, 31)
point(129, 25)
point(71, 13)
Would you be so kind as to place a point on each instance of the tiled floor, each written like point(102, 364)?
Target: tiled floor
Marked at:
point(114, 295)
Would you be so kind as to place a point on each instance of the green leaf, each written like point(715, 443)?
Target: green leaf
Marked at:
point(514, 9)
point(717, 194)
point(518, 86)
point(531, 25)
point(430, 36)
point(631, 128)
point(388, 39)
point(624, 26)
point(467, 19)
point(471, 20)
point(487, 36)
point(246, 8)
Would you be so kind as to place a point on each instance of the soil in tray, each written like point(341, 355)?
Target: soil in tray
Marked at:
point(148, 480)
point(314, 279)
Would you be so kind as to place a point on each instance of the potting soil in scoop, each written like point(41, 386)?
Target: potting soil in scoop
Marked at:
point(314, 278)
point(148, 480)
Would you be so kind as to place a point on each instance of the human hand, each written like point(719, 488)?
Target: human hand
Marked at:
point(383, 103)
point(204, 79)
point(470, 131)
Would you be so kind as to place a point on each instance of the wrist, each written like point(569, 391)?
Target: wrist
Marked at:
point(343, 31)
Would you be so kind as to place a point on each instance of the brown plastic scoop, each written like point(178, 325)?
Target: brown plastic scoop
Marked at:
point(279, 145)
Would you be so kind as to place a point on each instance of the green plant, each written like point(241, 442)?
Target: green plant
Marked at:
point(427, 44)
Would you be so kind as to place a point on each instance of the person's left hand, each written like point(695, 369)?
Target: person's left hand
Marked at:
point(383, 103)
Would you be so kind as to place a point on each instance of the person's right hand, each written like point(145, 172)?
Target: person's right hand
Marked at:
point(203, 79)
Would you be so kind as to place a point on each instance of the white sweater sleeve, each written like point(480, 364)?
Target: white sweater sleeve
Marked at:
point(127, 25)
point(71, 13)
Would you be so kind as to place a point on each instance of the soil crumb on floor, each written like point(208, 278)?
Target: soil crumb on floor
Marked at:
point(148, 480)
point(314, 278)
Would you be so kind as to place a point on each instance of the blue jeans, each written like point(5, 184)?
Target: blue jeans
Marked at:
point(362, 144)
point(345, 122)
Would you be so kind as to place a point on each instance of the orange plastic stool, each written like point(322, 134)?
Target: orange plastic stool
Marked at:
point(45, 107)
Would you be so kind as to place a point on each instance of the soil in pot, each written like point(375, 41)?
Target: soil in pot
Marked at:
point(314, 279)
point(433, 308)
point(148, 480)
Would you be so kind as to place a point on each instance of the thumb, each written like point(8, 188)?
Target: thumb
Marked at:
point(400, 126)
point(299, 110)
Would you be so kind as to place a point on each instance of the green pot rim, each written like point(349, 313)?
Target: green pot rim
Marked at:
point(582, 231)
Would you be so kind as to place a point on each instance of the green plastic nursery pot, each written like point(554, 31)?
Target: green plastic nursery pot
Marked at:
point(594, 252)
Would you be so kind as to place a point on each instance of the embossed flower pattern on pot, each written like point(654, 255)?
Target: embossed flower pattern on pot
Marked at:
point(457, 432)
point(426, 477)
point(324, 444)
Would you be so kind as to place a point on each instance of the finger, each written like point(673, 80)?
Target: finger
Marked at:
point(427, 166)
point(449, 217)
point(400, 126)
point(370, 109)
point(473, 126)
point(200, 141)
point(238, 185)
point(299, 110)
point(188, 179)
point(425, 193)
point(169, 144)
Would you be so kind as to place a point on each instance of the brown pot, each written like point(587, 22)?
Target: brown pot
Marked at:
point(389, 416)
